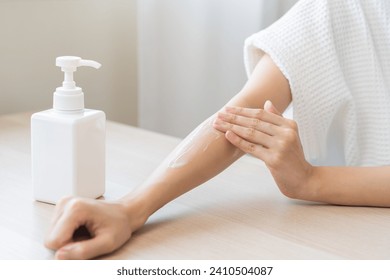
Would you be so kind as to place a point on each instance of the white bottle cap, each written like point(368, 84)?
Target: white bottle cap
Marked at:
point(69, 97)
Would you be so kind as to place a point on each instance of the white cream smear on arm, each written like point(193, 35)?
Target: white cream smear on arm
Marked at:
point(197, 141)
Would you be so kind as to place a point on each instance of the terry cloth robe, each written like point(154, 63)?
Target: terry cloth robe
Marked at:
point(336, 57)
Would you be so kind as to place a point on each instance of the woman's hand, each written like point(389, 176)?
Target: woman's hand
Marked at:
point(108, 224)
point(267, 135)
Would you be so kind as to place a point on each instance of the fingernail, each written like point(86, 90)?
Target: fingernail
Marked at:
point(217, 120)
point(228, 134)
point(64, 253)
point(267, 105)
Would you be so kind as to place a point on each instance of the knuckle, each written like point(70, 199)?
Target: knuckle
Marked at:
point(282, 144)
point(255, 123)
point(245, 146)
point(233, 117)
point(64, 200)
point(290, 136)
point(259, 113)
point(75, 204)
point(251, 148)
point(265, 126)
point(237, 141)
point(293, 124)
point(249, 133)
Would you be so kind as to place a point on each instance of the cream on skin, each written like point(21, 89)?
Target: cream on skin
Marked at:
point(194, 143)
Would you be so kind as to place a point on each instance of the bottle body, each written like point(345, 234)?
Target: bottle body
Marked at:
point(68, 154)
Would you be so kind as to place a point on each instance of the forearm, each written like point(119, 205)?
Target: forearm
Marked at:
point(200, 156)
point(355, 186)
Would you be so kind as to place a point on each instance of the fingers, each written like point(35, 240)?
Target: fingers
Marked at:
point(246, 146)
point(59, 209)
point(254, 123)
point(259, 114)
point(256, 131)
point(86, 228)
point(248, 133)
point(67, 219)
point(70, 215)
point(87, 249)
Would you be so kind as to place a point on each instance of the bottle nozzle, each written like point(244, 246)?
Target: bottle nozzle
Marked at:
point(70, 97)
point(72, 62)
point(90, 63)
point(69, 65)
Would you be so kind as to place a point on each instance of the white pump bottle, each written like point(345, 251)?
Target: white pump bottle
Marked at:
point(68, 142)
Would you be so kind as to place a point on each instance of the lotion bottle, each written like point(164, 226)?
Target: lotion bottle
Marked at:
point(68, 142)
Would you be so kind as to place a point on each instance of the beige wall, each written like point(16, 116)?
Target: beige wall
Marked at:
point(34, 32)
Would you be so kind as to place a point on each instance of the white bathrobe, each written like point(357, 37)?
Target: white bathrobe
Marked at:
point(336, 56)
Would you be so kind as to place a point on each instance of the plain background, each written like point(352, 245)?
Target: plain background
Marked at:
point(34, 32)
point(167, 64)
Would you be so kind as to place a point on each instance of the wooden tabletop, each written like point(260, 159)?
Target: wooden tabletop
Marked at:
point(239, 214)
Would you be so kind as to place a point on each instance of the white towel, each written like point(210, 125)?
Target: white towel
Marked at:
point(336, 56)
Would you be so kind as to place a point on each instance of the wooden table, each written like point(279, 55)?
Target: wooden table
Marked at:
point(240, 214)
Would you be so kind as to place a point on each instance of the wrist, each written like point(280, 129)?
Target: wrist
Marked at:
point(136, 210)
point(312, 185)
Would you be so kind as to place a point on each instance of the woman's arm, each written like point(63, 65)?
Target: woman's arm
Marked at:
point(201, 156)
point(355, 186)
point(206, 152)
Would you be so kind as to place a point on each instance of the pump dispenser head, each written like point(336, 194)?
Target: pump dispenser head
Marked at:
point(69, 97)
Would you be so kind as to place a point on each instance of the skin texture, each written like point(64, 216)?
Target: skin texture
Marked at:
point(250, 123)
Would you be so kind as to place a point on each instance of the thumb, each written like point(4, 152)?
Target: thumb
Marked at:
point(269, 107)
point(86, 249)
